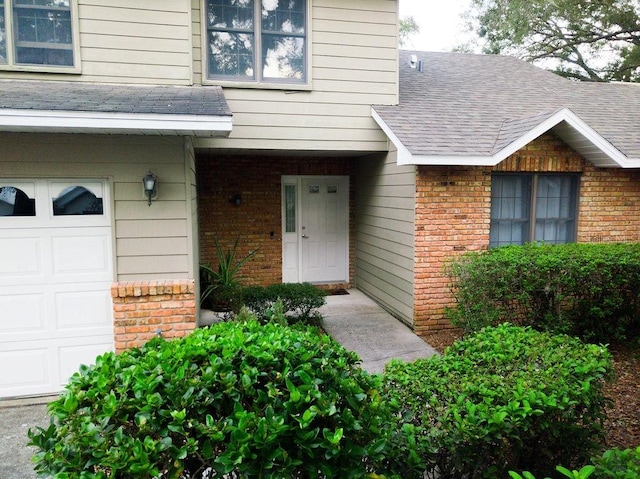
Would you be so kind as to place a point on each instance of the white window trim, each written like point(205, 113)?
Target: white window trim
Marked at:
point(10, 43)
point(263, 85)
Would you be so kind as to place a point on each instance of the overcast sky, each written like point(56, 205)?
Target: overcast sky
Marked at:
point(441, 27)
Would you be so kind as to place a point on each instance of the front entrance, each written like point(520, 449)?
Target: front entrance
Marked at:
point(315, 229)
point(56, 271)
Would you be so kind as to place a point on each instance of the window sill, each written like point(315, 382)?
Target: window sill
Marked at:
point(41, 69)
point(260, 85)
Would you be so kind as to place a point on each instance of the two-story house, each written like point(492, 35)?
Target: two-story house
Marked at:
point(133, 135)
point(252, 116)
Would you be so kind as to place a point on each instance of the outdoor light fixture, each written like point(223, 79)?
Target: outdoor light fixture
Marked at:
point(150, 184)
point(237, 199)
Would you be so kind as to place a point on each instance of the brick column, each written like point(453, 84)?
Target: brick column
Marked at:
point(144, 309)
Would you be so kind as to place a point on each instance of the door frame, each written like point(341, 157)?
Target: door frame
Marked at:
point(292, 260)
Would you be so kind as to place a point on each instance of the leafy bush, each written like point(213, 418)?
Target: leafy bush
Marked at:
point(590, 290)
point(613, 464)
point(300, 301)
point(618, 464)
point(506, 398)
point(237, 399)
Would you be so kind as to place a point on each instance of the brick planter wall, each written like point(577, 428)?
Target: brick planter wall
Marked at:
point(144, 309)
point(453, 214)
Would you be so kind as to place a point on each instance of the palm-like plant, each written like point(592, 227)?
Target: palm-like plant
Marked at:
point(221, 285)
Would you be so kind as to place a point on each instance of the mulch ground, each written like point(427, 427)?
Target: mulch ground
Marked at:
point(623, 415)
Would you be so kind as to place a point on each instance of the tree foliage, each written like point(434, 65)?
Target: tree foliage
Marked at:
point(593, 40)
point(407, 28)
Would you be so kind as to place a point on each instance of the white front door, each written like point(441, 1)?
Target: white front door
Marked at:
point(315, 229)
point(56, 270)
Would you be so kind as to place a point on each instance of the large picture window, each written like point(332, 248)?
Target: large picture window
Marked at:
point(533, 207)
point(37, 33)
point(257, 40)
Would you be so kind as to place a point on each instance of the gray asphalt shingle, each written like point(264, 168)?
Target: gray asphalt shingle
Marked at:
point(91, 97)
point(467, 104)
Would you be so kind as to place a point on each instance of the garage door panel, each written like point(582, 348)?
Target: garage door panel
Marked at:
point(20, 257)
point(25, 368)
point(81, 254)
point(22, 313)
point(82, 310)
point(72, 356)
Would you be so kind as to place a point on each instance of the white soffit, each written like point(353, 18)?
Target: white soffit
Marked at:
point(51, 121)
point(569, 127)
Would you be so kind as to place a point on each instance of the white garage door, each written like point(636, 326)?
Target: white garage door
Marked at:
point(56, 271)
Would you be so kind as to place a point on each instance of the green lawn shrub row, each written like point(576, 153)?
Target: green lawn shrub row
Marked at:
point(505, 398)
point(239, 399)
point(589, 290)
point(300, 301)
point(248, 400)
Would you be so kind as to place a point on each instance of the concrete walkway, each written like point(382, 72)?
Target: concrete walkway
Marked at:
point(360, 325)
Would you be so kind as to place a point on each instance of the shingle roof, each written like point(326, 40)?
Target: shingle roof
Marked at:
point(129, 99)
point(464, 105)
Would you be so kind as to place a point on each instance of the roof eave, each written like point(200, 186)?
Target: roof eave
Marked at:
point(64, 121)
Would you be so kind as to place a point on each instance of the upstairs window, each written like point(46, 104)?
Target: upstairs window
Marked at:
point(257, 40)
point(37, 33)
point(533, 207)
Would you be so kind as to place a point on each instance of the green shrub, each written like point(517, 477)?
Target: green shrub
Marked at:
point(300, 301)
point(618, 464)
point(506, 398)
point(613, 464)
point(237, 398)
point(590, 290)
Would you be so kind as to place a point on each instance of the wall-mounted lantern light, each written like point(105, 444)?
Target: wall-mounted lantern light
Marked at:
point(150, 185)
point(237, 199)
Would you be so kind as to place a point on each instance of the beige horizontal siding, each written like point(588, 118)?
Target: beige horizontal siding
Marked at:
point(385, 233)
point(353, 65)
point(151, 242)
point(144, 42)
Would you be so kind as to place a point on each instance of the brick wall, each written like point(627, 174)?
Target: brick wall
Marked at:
point(258, 220)
point(453, 211)
point(144, 309)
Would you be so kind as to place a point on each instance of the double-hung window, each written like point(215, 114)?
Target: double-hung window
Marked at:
point(257, 40)
point(533, 207)
point(37, 34)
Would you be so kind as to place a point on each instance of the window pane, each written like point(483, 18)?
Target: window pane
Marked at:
point(3, 35)
point(283, 16)
point(43, 32)
point(231, 39)
point(230, 14)
point(555, 209)
point(283, 57)
point(231, 54)
point(510, 209)
point(15, 202)
point(77, 201)
point(290, 208)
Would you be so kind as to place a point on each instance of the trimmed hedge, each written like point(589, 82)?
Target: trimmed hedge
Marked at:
point(588, 290)
point(505, 398)
point(300, 301)
point(237, 399)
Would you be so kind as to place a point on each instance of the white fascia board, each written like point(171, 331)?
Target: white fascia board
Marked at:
point(51, 120)
point(404, 156)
